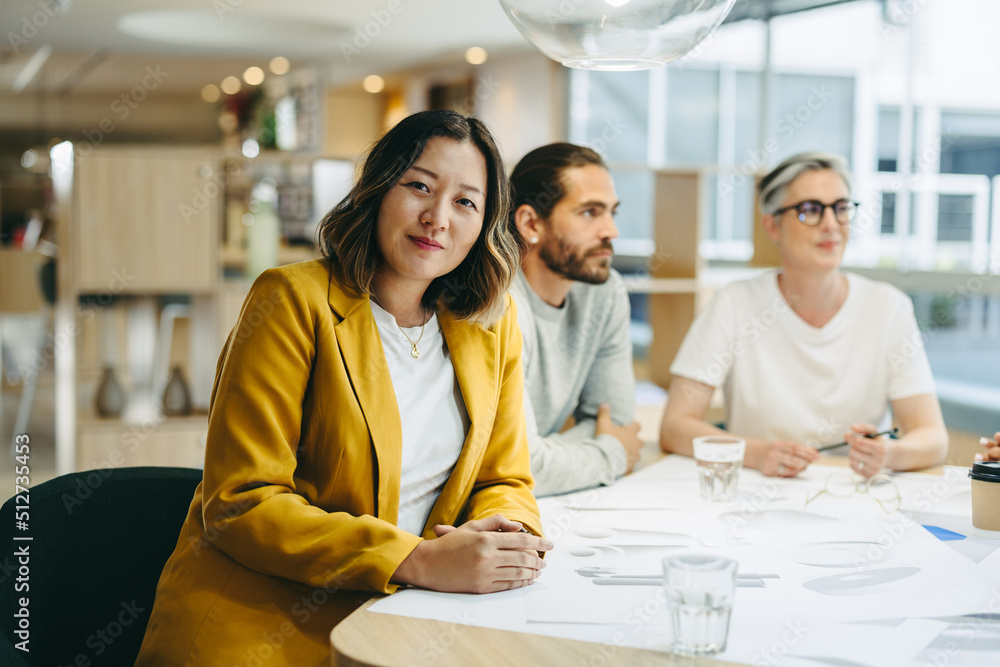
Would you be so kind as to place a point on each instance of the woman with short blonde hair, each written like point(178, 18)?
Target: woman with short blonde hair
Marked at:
point(808, 355)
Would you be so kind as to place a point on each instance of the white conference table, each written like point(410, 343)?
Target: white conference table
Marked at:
point(855, 585)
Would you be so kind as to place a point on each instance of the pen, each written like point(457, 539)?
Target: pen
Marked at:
point(892, 431)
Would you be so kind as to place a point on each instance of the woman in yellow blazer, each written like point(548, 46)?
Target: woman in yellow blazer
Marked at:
point(295, 522)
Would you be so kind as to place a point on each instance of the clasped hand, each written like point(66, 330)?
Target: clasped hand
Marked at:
point(628, 435)
point(481, 556)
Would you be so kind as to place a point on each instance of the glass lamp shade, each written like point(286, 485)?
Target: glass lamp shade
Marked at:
point(616, 34)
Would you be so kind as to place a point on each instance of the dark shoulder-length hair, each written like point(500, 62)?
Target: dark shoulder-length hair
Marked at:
point(475, 289)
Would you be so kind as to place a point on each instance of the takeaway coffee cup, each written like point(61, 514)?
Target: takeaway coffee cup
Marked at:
point(986, 498)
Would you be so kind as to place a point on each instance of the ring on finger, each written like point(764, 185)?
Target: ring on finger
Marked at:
point(861, 466)
point(781, 468)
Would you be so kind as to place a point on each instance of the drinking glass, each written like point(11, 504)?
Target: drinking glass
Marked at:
point(719, 460)
point(699, 590)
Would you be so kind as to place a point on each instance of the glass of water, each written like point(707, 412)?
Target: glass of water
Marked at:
point(699, 590)
point(719, 459)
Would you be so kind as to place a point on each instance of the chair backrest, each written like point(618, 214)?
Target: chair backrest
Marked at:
point(100, 539)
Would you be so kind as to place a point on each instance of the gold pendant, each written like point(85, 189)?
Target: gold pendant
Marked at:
point(414, 352)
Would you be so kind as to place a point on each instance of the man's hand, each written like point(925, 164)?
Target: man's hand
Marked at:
point(479, 556)
point(627, 435)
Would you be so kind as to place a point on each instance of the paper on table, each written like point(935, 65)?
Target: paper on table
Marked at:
point(948, 582)
point(851, 571)
point(966, 641)
point(950, 493)
point(570, 598)
point(864, 644)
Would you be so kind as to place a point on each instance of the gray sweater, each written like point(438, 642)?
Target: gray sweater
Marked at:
point(575, 357)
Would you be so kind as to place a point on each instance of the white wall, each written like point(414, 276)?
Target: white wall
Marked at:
point(522, 98)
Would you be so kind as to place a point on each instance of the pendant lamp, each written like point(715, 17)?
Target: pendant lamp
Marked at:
point(616, 34)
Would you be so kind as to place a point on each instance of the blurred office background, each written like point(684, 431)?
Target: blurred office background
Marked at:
point(153, 161)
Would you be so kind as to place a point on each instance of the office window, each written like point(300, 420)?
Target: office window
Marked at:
point(746, 116)
point(971, 155)
point(617, 115)
point(888, 212)
point(711, 117)
point(692, 117)
point(813, 113)
point(635, 214)
point(970, 143)
point(750, 152)
point(888, 140)
point(954, 218)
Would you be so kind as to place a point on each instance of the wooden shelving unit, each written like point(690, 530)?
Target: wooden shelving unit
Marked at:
point(137, 224)
point(142, 226)
point(679, 209)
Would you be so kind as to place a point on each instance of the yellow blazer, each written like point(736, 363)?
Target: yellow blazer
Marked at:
point(294, 523)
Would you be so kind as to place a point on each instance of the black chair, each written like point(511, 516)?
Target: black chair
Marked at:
point(99, 541)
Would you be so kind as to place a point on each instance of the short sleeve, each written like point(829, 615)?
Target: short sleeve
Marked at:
point(908, 370)
point(708, 350)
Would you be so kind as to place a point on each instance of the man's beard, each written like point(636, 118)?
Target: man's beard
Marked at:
point(561, 258)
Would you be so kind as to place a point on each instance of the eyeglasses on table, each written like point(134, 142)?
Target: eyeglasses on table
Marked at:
point(881, 488)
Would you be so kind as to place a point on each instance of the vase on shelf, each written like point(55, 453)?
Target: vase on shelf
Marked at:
point(263, 228)
point(176, 395)
point(110, 398)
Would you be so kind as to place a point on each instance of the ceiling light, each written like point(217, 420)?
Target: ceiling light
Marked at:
point(616, 34)
point(31, 68)
point(286, 124)
point(231, 85)
point(254, 76)
point(29, 158)
point(279, 65)
point(373, 83)
point(62, 164)
point(210, 93)
point(475, 55)
point(251, 148)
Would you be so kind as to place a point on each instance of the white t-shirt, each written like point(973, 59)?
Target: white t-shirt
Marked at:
point(785, 379)
point(431, 412)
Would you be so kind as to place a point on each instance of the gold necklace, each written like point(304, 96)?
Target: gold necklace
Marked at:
point(414, 352)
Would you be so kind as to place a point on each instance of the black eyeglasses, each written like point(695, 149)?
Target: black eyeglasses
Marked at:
point(811, 211)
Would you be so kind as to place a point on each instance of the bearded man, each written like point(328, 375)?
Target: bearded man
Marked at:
point(573, 310)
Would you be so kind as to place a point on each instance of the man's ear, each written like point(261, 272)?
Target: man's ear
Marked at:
point(529, 223)
point(771, 227)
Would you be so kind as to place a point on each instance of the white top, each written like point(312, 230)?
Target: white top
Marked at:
point(785, 379)
point(431, 411)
